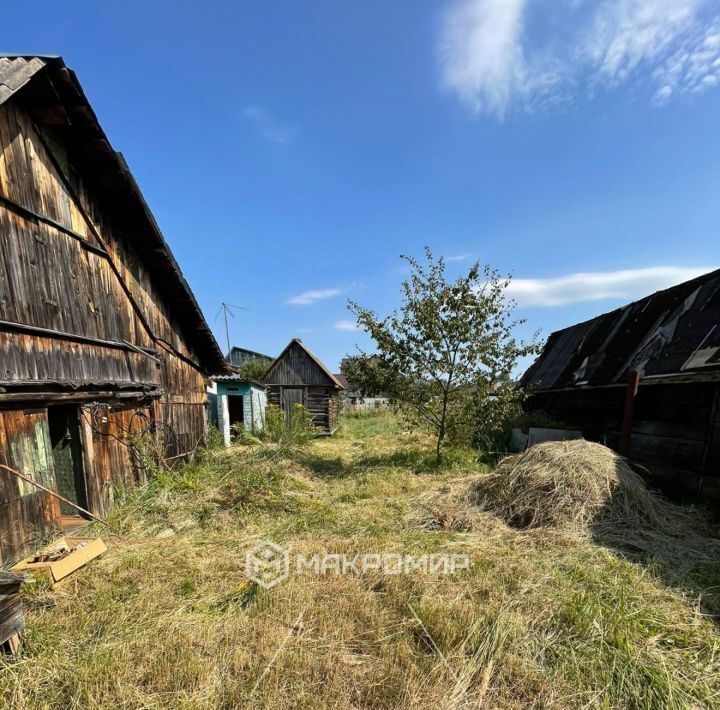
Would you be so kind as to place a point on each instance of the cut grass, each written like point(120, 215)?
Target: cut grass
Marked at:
point(542, 618)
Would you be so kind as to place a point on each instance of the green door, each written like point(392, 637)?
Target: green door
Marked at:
point(64, 427)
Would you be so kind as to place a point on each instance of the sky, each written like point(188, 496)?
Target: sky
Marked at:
point(291, 151)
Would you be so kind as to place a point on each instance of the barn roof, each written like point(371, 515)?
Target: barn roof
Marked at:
point(672, 335)
point(311, 355)
point(54, 96)
point(253, 353)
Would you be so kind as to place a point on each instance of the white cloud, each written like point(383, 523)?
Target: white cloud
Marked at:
point(691, 69)
point(481, 52)
point(307, 298)
point(625, 285)
point(458, 257)
point(499, 55)
point(270, 127)
point(345, 325)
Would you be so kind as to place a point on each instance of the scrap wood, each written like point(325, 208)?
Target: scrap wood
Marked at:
point(61, 559)
point(12, 623)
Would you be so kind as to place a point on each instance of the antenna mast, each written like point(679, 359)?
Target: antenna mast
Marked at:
point(227, 309)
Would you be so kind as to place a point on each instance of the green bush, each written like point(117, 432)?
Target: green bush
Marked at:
point(538, 418)
point(253, 369)
point(288, 434)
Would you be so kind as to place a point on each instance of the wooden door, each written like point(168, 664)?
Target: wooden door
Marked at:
point(291, 397)
point(67, 456)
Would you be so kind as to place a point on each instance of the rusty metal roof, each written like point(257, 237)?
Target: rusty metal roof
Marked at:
point(54, 93)
point(671, 335)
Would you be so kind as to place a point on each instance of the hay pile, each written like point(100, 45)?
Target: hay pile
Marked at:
point(575, 485)
point(568, 491)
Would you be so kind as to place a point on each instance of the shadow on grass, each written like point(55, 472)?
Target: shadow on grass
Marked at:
point(415, 460)
point(678, 545)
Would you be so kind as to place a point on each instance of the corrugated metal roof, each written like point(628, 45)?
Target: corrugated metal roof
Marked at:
point(61, 89)
point(670, 334)
point(238, 380)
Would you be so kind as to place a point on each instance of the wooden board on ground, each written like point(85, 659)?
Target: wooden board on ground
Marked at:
point(80, 552)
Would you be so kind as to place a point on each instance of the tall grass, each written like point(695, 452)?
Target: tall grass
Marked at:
point(167, 619)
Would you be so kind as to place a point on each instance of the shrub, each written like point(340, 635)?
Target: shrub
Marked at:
point(253, 369)
point(288, 434)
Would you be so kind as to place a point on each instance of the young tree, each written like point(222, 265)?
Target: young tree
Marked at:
point(447, 341)
point(252, 369)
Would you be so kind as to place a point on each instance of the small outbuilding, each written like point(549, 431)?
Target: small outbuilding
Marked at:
point(645, 380)
point(236, 402)
point(299, 377)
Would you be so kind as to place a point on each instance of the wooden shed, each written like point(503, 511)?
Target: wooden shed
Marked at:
point(645, 380)
point(101, 338)
point(298, 377)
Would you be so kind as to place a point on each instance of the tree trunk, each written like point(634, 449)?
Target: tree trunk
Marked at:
point(441, 428)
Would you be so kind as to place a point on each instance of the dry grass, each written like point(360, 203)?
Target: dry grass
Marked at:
point(575, 484)
point(543, 618)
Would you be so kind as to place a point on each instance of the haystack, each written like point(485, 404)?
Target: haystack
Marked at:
point(573, 485)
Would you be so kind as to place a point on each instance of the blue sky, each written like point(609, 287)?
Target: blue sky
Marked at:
point(292, 150)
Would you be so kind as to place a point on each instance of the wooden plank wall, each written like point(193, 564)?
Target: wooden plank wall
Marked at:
point(53, 280)
point(26, 513)
point(322, 404)
point(107, 455)
point(669, 433)
point(318, 404)
point(296, 367)
point(64, 278)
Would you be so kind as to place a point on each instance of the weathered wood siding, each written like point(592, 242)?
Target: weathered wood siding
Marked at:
point(51, 280)
point(77, 302)
point(673, 432)
point(108, 461)
point(25, 512)
point(296, 367)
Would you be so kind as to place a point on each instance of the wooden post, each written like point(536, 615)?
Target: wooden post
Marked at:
point(630, 397)
point(712, 429)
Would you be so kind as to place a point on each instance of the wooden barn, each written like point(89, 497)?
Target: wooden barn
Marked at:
point(237, 356)
point(101, 339)
point(297, 376)
point(645, 379)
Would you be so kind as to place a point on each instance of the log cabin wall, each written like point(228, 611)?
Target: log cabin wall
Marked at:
point(88, 319)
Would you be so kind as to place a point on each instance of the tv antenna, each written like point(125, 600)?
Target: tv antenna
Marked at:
point(227, 309)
